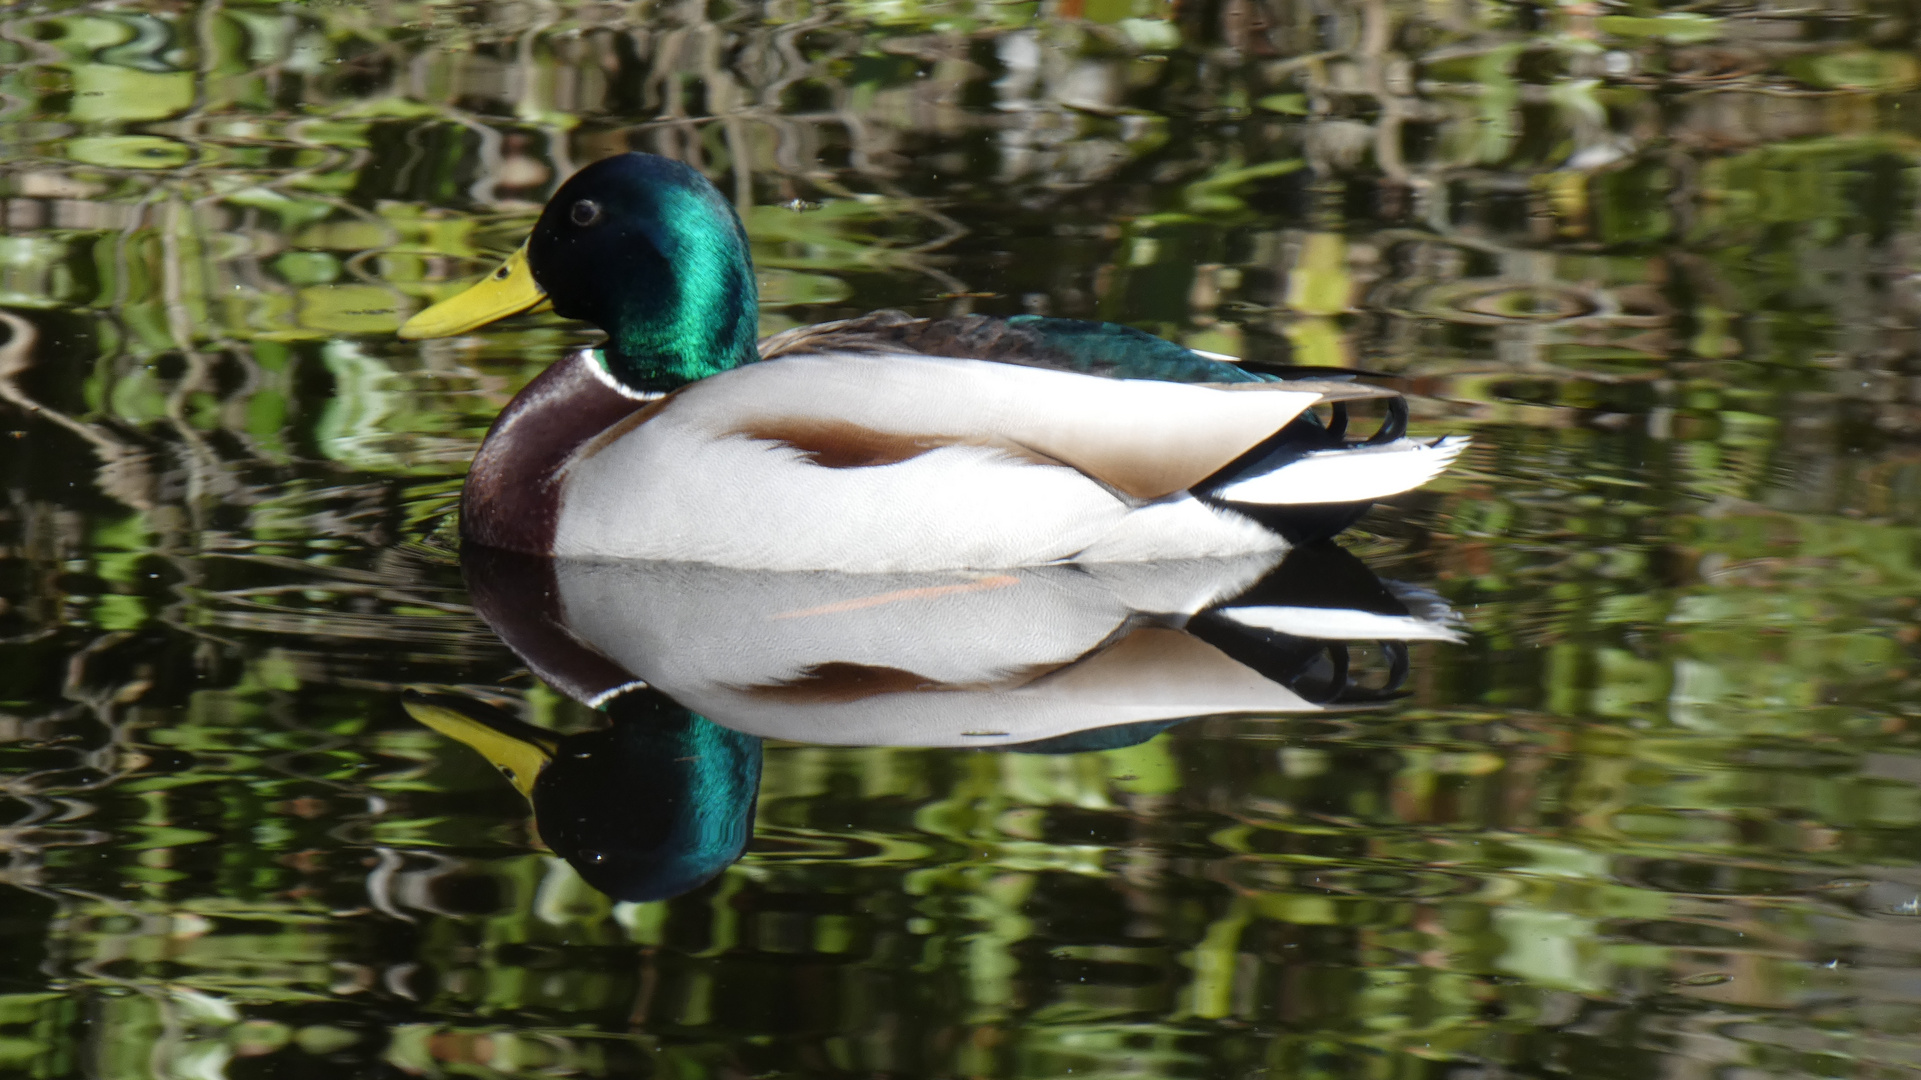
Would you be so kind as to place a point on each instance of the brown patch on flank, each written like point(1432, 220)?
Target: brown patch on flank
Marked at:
point(838, 444)
point(838, 683)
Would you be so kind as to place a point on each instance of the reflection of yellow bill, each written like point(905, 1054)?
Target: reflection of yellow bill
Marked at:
point(509, 290)
point(519, 750)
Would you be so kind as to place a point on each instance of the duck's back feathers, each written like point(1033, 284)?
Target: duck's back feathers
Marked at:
point(1076, 345)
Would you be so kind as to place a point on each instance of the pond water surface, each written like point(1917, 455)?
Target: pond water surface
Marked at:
point(1647, 800)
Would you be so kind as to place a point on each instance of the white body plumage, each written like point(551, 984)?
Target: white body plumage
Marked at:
point(866, 461)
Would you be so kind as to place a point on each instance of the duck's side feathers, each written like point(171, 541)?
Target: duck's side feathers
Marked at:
point(1143, 438)
point(1350, 475)
point(890, 461)
point(511, 500)
point(839, 444)
point(1207, 532)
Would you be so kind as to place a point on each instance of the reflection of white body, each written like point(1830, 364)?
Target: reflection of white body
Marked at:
point(930, 659)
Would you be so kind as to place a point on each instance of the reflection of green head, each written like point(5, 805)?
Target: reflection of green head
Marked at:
point(655, 805)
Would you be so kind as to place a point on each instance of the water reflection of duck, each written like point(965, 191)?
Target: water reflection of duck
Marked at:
point(879, 443)
point(948, 658)
point(694, 664)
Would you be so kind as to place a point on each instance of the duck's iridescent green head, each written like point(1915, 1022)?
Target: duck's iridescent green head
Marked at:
point(644, 248)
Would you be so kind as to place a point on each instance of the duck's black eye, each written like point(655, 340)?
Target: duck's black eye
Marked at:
point(585, 212)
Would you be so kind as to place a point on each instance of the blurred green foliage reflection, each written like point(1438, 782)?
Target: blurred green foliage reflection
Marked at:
point(1661, 816)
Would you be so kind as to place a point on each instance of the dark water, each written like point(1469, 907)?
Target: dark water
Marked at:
point(1657, 813)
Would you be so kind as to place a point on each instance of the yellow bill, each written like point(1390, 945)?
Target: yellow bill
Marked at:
point(519, 750)
point(509, 290)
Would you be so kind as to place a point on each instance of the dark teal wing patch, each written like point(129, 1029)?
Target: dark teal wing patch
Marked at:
point(1090, 348)
point(1121, 352)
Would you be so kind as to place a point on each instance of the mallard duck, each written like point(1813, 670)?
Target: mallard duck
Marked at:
point(884, 443)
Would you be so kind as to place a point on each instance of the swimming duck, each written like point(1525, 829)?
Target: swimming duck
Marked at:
point(883, 443)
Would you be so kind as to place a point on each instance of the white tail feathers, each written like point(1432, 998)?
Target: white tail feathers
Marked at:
point(1343, 624)
point(1354, 474)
